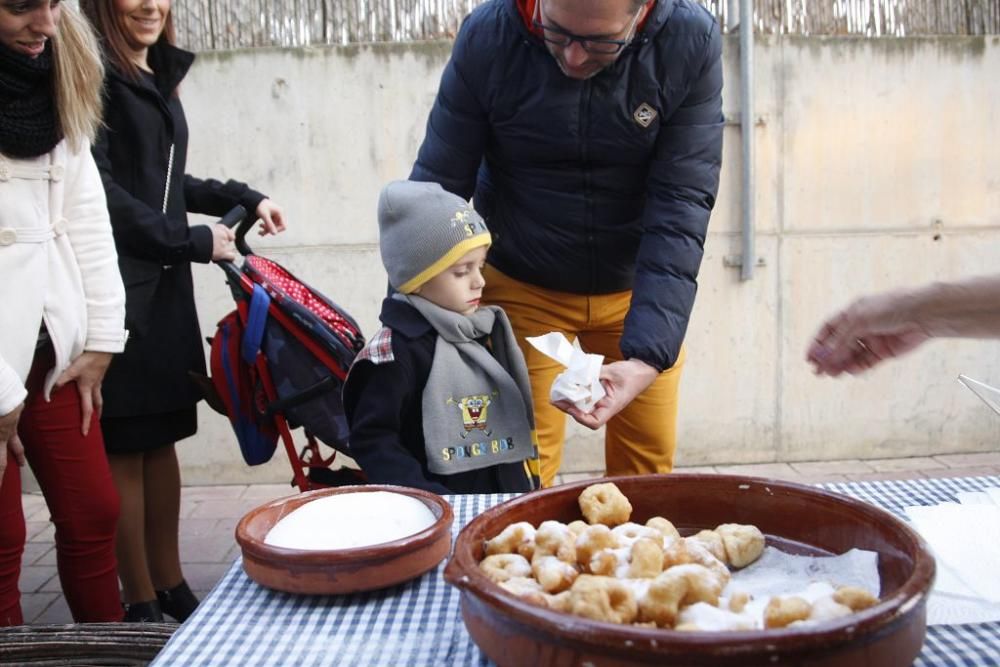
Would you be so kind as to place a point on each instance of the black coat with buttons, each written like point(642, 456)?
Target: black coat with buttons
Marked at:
point(143, 119)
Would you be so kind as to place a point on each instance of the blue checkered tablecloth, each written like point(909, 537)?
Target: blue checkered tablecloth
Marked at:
point(419, 623)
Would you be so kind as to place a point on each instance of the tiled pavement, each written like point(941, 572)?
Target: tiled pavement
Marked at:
point(209, 515)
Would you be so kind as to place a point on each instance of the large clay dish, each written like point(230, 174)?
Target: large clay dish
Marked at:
point(796, 518)
point(342, 570)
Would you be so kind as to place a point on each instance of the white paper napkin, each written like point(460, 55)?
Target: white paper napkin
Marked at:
point(580, 383)
point(965, 539)
point(780, 573)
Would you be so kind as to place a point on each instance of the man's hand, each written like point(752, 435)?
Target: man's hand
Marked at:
point(87, 371)
point(623, 381)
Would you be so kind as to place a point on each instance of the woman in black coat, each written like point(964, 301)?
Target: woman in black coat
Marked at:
point(149, 399)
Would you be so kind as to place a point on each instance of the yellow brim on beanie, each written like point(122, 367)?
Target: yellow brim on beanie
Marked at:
point(449, 258)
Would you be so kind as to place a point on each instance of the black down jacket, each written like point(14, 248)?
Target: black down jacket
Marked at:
point(593, 186)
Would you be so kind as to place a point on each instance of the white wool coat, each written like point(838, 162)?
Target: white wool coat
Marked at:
point(57, 264)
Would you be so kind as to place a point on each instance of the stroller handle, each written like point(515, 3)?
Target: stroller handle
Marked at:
point(233, 217)
point(238, 216)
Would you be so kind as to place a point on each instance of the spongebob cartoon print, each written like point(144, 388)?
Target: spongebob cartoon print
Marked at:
point(474, 410)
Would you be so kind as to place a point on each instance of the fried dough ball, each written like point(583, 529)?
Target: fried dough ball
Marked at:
point(602, 599)
point(704, 585)
point(590, 541)
point(517, 538)
point(554, 575)
point(645, 559)
point(684, 551)
point(781, 611)
point(680, 585)
point(743, 543)
point(854, 597)
point(662, 601)
point(629, 533)
point(501, 567)
point(609, 562)
point(555, 539)
point(738, 601)
point(525, 588)
point(577, 527)
point(559, 601)
point(664, 527)
point(827, 609)
point(711, 541)
point(605, 503)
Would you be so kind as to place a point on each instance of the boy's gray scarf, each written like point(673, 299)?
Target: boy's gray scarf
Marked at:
point(476, 405)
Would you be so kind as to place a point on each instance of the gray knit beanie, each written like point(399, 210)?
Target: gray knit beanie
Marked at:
point(423, 230)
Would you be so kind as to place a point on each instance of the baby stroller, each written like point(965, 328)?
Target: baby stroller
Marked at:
point(278, 362)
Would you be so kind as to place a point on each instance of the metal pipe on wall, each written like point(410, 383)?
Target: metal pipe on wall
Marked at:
point(748, 252)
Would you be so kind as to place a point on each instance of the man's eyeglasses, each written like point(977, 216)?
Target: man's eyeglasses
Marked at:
point(596, 45)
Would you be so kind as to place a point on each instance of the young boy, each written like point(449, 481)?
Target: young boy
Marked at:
point(439, 398)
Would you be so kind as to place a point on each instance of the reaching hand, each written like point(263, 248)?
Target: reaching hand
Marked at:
point(222, 243)
point(866, 333)
point(623, 381)
point(271, 217)
point(87, 371)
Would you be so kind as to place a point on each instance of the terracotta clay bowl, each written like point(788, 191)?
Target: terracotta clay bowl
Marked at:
point(341, 570)
point(794, 518)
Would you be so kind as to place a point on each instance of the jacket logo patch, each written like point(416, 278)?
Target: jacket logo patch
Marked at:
point(644, 115)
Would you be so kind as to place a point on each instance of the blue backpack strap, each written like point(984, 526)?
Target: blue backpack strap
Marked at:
point(253, 334)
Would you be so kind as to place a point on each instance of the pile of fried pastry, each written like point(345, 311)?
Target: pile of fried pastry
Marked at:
point(608, 568)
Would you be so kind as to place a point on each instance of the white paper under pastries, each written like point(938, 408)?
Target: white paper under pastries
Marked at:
point(349, 520)
point(965, 539)
point(777, 573)
point(580, 383)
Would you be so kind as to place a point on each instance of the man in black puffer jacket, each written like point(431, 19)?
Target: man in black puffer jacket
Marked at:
point(589, 134)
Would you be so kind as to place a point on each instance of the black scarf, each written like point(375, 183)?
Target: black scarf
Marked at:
point(29, 125)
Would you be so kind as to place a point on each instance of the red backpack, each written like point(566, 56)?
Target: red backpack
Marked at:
point(237, 381)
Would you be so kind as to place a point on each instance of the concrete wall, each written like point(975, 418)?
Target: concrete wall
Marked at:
point(876, 167)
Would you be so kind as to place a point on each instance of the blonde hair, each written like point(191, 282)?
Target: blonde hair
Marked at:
point(78, 77)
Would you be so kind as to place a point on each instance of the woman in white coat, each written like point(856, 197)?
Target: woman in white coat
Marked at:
point(62, 304)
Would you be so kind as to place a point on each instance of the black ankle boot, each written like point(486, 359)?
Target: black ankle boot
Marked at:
point(178, 602)
point(143, 612)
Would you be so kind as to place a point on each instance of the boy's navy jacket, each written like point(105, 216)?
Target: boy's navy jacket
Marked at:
point(594, 186)
point(383, 406)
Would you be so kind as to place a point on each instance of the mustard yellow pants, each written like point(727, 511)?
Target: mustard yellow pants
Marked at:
point(639, 439)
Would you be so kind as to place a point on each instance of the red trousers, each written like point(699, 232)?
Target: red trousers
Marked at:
point(72, 470)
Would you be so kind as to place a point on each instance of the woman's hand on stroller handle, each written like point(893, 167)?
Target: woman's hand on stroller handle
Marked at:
point(237, 215)
point(222, 243)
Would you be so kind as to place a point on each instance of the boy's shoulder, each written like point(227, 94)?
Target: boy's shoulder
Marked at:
point(378, 350)
point(404, 333)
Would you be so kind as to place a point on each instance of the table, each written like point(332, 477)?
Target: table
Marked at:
point(419, 623)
